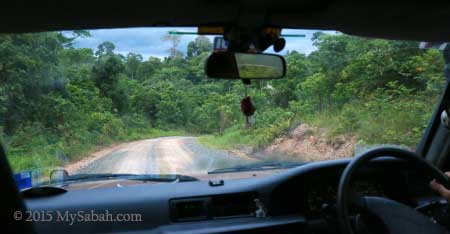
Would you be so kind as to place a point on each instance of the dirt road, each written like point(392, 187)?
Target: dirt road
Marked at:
point(165, 155)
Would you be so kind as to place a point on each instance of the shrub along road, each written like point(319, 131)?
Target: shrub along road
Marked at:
point(164, 155)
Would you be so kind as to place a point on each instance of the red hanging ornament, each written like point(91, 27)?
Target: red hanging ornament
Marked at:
point(247, 106)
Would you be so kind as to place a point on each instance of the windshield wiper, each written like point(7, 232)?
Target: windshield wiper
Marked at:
point(258, 167)
point(110, 176)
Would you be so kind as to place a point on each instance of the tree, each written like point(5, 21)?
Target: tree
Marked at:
point(105, 49)
point(201, 45)
point(133, 61)
point(147, 68)
point(106, 73)
point(68, 39)
point(174, 41)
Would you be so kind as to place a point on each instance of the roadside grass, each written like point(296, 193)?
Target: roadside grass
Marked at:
point(238, 136)
point(395, 123)
point(232, 138)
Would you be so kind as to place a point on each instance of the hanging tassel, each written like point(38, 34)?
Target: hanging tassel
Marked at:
point(247, 107)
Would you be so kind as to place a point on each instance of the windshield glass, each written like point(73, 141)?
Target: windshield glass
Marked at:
point(137, 102)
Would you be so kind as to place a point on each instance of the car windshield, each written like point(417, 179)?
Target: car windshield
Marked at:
point(100, 104)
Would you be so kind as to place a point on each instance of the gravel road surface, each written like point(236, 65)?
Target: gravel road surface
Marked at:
point(165, 155)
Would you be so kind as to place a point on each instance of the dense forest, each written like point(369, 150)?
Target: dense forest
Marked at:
point(59, 102)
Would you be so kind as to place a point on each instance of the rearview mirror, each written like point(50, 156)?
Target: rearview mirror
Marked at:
point(229, 65)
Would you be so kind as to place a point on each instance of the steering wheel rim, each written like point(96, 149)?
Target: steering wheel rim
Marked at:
point(343, 200)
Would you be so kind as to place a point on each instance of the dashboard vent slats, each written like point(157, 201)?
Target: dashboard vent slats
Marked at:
point(212, 207)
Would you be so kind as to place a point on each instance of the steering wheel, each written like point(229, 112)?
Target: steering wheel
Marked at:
point(393, 217)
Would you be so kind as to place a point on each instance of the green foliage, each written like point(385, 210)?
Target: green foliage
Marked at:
point(57, 102)
point(199, 46)
point(383, 92)
point(232, 138)
point(268, 125)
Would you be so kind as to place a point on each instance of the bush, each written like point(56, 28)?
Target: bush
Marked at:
point(268, 125)
point(381, 120)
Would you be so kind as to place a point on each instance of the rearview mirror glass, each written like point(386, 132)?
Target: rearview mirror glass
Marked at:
point(228, 65)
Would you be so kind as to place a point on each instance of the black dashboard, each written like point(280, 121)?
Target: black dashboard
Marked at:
point(296, 200)
point(311, 191)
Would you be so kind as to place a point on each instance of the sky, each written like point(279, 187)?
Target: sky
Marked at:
point(147, 41)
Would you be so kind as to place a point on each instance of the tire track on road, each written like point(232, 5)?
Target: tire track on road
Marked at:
point(165, 155)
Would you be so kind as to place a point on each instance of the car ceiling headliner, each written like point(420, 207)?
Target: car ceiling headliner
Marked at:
point(414, 21)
